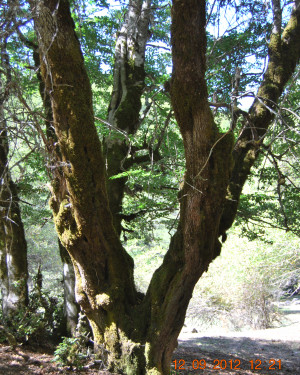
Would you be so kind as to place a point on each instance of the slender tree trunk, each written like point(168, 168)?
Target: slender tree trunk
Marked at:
point(284, 52)
point(71, 308)
point(13, 246)
point(125, 104)
point(136, 334)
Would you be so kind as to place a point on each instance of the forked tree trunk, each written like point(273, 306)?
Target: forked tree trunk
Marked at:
point(13, 245)
point(135, 333)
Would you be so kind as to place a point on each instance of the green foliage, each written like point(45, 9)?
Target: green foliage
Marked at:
point(25, 326)
point(40, 321)
point(74, 351)
point(237, 37)
point(69, 353)
point(272, 196)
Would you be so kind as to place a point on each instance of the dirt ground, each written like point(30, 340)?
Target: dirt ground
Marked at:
point(271, 351)
point(268, 351)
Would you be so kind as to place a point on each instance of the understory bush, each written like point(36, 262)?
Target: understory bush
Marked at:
point(40, 321)
point(75, 351)
point(70, 352)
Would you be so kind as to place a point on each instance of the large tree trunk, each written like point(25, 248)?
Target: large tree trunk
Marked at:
point(13, 245)
point(71, 307)
point(136, 334)
point(125, 104)
point(104, 271)
point(208, 168)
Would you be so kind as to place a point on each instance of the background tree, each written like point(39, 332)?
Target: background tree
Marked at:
point(125, 104)
point(13, 246)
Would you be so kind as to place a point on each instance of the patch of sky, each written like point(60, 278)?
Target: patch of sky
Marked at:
point(103, 9)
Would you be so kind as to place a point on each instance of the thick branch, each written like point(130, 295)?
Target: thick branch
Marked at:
point(284, 53)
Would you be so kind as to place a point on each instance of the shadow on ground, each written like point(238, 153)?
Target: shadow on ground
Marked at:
point(236, 355)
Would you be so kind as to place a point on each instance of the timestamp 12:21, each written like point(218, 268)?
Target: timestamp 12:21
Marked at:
point(222, 364)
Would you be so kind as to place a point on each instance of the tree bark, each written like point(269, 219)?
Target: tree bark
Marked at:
point(71, 307)
point(13, 245)
point(208, 168)
point(137, 334)
point(125, 104)
point(104, 271)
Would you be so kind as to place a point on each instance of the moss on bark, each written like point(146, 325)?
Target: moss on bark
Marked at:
point(136, 334)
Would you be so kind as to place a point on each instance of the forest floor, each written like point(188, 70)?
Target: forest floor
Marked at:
point(270, 351)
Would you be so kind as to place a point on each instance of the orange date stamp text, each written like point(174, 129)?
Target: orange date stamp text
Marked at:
point(223, 364)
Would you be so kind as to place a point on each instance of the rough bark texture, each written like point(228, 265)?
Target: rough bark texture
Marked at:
point(137, 334)
point(208, 167)
point(71, 307)
point(125, 104)
point(104, 271)
point(13, 245)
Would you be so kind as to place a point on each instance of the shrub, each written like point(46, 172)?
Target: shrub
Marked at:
point(70, 353)
point(38, 322)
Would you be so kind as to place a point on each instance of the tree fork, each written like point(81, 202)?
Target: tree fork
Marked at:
point(138, 333)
